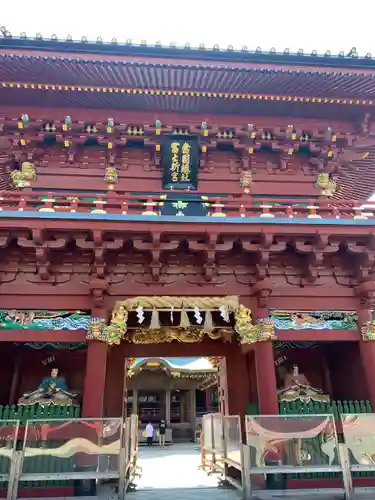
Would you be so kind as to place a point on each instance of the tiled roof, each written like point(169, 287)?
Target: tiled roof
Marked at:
point(215, 53)
point(5, 182)
point(182, 69)
point(357, 180)
point(63, 70)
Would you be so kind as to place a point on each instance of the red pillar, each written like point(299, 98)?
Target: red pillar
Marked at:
point(266, 374)
point(238, 389)
point(114, 383)
point(14, 387)
point(208, 399)
point(266, 379)
point(93, 392)
point(367, 350)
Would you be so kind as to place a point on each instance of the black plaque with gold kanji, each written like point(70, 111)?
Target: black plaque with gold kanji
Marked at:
point(180, 162)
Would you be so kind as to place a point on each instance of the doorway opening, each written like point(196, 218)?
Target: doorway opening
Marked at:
point(170, 395)
point(178, 391)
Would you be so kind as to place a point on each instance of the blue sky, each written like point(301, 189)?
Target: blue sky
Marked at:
point(318, 24)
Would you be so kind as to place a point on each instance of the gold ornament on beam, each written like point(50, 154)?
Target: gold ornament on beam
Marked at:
point(120, 316)
point(326, 184)
point(111, 177)
point(231, 303)
point(244, 327)
point(116, 330)
point(246, 180)
point(248, 332)
point(368, 330)
point(130, 363)
point(96, 330)
point(22, 178)
point(214, 360)
point(167, 335)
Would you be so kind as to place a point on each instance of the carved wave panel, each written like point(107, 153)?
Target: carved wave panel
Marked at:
point(314, 320)
point(44, 320)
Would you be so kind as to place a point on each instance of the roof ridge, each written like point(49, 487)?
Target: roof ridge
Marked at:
point(129, 62)
point(350, 59)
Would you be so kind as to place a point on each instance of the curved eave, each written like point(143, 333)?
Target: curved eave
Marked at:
point(188, 53)
point(181, 372)
point(190, 366)
point(357, 180)
point(184, 104)
point(60, 68)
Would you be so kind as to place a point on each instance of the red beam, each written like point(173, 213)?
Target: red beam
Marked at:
point(318, 335)
point(327, 482)
point(311, 336)
point(31, 297)
point(43, 492)
point(176, 118)
point(200, 349)
point(80, 336)
point(67, 336)
point(133, 227)
point(92, 179)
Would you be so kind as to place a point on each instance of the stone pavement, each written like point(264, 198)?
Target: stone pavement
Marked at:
point(173, 473)
point(185, 494)
point(175, 466)
point(223, 494)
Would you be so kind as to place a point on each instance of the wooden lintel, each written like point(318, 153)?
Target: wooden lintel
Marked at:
point(242, 227)
point(67, 336)
point(318, 335)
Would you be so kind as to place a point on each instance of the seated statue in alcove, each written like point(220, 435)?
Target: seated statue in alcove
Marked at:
point(297, 387)
point(52, 390)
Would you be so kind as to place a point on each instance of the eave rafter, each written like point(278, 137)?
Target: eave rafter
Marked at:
point(304, 256)
point(260, 243)
point(187, 93)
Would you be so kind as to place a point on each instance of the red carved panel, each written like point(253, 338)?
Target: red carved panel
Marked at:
point(57, 263)
point(83, 167)
point(137, 172)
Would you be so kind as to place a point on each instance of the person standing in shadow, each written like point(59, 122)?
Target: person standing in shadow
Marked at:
point(162, 429)
point(149, 434)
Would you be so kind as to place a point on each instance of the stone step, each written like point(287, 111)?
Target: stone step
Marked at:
point(185, 494)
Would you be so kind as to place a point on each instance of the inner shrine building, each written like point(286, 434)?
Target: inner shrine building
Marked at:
point(168, 202)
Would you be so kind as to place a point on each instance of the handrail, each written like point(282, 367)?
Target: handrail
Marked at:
point(270, 435)
point(221, 438)
point(125, 452)
point(152, 204)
